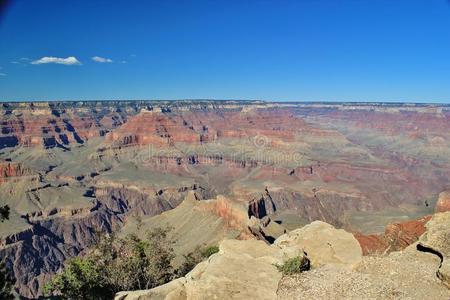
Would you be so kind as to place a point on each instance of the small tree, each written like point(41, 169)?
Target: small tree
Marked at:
point(160, 253)
point(117, 264)
point(81, 279)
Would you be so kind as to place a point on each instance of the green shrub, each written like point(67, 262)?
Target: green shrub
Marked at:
point(82, 279)
point(116, 264)
point(190, 261)
point(295, 265)
point(194, 258)
point(207, 252)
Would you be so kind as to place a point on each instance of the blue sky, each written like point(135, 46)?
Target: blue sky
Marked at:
point(308, 50)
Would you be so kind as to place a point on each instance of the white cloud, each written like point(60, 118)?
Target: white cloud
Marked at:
point(71, 60)
point(15, 62)
point(2, 74)
point(101, 59)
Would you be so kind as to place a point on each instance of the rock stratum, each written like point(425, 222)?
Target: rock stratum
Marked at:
point(251, 169)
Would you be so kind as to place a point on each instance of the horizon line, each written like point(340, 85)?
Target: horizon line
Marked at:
point(230, 100)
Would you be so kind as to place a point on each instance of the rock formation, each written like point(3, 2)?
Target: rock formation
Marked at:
point(324, 245)
point(68, 169)
point(246, 269)
point(436, 240)
point(195, 223)
point(443, 203)
point(397, 236)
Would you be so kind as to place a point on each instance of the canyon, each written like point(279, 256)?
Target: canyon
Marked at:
point(214, 170)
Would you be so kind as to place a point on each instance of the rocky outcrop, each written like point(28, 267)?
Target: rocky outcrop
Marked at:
point(262, 206)
point(247, 269)
point(443, 203)
point(265, 229)
point(436, 240)
point(324, 244)
point(233, 273)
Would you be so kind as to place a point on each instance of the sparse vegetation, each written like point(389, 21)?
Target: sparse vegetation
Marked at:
point(208, 251)
point(295, 265)
point(6, 279)
point(116, 264)
point(4, 213)
point(195, 257)
point(123, 264)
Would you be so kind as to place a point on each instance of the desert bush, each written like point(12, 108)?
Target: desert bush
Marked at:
point(195, 257)
point(295, 265)
point(208, 251)
point(115, 264)
point(190, 261)
point(4, 213)
point(81, 279)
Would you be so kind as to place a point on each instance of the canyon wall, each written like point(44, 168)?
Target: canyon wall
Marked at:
point(72, 170)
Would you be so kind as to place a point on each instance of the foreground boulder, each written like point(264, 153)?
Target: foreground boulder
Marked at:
point(241, 270)
point(324, 244)
point(443, 203)
point(407, 274)
point(247, 269)
point(436, 240)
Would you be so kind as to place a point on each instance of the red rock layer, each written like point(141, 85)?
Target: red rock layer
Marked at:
point(50, 128)
point(372, 243)
point(162, 129)
point(401, 235)
point(397, 236)
point(11, 170)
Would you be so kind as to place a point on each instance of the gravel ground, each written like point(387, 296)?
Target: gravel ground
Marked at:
point(409, 274)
